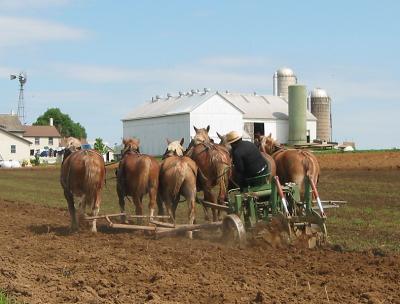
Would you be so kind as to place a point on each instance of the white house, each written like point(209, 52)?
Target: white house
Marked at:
point(12, 145)
point(173, 117)
point(42, 138)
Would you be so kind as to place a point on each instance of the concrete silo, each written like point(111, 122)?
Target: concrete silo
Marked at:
point(321, 109)
point(283, 78)
point(297, 114)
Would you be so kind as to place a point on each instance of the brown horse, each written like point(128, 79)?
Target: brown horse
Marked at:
point(268, 158)
point(137, 175)
point(292, 165)
point(82, 175)
point(214, 163)
point(178, 175)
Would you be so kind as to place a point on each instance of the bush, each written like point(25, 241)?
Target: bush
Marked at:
point(35, 161)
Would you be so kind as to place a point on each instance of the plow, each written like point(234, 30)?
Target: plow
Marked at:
point(265, 209)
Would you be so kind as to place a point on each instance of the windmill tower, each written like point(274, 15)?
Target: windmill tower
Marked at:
point(21, 104)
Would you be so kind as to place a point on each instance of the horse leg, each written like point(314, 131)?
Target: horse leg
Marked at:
point(210, 197)
point(152, 201)
point(95, 209)
point(190, 195)
point(170, 205)
point(137, 200)
point(160, 205)
point(121, 200)
point(72, 211)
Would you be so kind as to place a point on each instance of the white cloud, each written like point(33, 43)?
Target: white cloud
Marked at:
point(17, 31)
point(30, 4)
point(193, 76)
point(6, 71)
point(238, 62)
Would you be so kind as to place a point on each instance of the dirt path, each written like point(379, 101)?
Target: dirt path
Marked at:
point(41, 263)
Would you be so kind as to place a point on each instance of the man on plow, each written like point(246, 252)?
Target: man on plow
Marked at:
point(247, 159)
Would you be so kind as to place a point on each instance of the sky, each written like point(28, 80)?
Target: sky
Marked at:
point(96, 59)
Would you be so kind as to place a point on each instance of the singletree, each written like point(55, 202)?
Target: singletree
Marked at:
point(64, 124)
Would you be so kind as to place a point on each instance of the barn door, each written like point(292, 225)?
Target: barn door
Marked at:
point(249, 129)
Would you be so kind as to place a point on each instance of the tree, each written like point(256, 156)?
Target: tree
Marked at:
point(100, 146)
point(64, 124)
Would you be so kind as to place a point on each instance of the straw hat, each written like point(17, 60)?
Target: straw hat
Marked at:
point(233, 136)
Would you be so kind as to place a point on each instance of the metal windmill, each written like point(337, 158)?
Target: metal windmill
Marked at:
point(21, 104)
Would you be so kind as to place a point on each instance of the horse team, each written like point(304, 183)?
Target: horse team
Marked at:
point(204, 166)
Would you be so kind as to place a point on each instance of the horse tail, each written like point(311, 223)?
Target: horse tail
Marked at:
point(144, 182)
point(180, 174)
point(310, 165)
point(92, 179)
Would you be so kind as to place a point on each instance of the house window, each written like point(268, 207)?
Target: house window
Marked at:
point(32, 152)
point(37, 139)
point(13, 149)
point(50, 141)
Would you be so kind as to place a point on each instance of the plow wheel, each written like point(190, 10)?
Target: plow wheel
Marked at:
point(233, 231)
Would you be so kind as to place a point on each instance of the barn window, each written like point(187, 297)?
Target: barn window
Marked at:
point(13, 149)
point(50, 141)
point(37, 140)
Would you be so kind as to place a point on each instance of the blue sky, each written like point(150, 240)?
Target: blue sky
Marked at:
point(96, 60)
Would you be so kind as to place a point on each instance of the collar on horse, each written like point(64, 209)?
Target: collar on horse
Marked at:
point(131, 151)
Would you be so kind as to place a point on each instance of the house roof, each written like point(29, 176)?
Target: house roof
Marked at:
point(15, 136)
point(252, 106)
point(41, 131)
point(10, 123)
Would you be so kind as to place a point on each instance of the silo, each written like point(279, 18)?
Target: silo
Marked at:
point(284, 78)
point(321, 109)
point(297, 114)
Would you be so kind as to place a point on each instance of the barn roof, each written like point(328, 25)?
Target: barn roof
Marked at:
point(256, 106)
point(252, 106)
point(173, 105)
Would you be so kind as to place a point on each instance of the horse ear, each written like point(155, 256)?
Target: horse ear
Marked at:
point(270, 135)
point(208, 128)
point(168, 141)
point(182, 141)
point(124, 141)
point(219, 135)
point(195, 129)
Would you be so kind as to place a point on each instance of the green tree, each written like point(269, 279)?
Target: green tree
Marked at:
point(64, 124)
point(100, 146)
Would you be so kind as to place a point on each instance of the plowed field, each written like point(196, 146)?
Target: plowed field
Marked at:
point(41, 262)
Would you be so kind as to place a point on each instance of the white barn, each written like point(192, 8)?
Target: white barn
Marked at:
point(173, 117)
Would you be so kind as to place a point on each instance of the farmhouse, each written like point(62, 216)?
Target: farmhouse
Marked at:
point(12, 144)
point(173, 117)
point(42, 138)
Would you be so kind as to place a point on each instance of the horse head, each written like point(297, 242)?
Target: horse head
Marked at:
point(73, 144)
point(268, 144)
point(201, 135)
point(174, 148)
point(131, 145)
point(224, 142)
